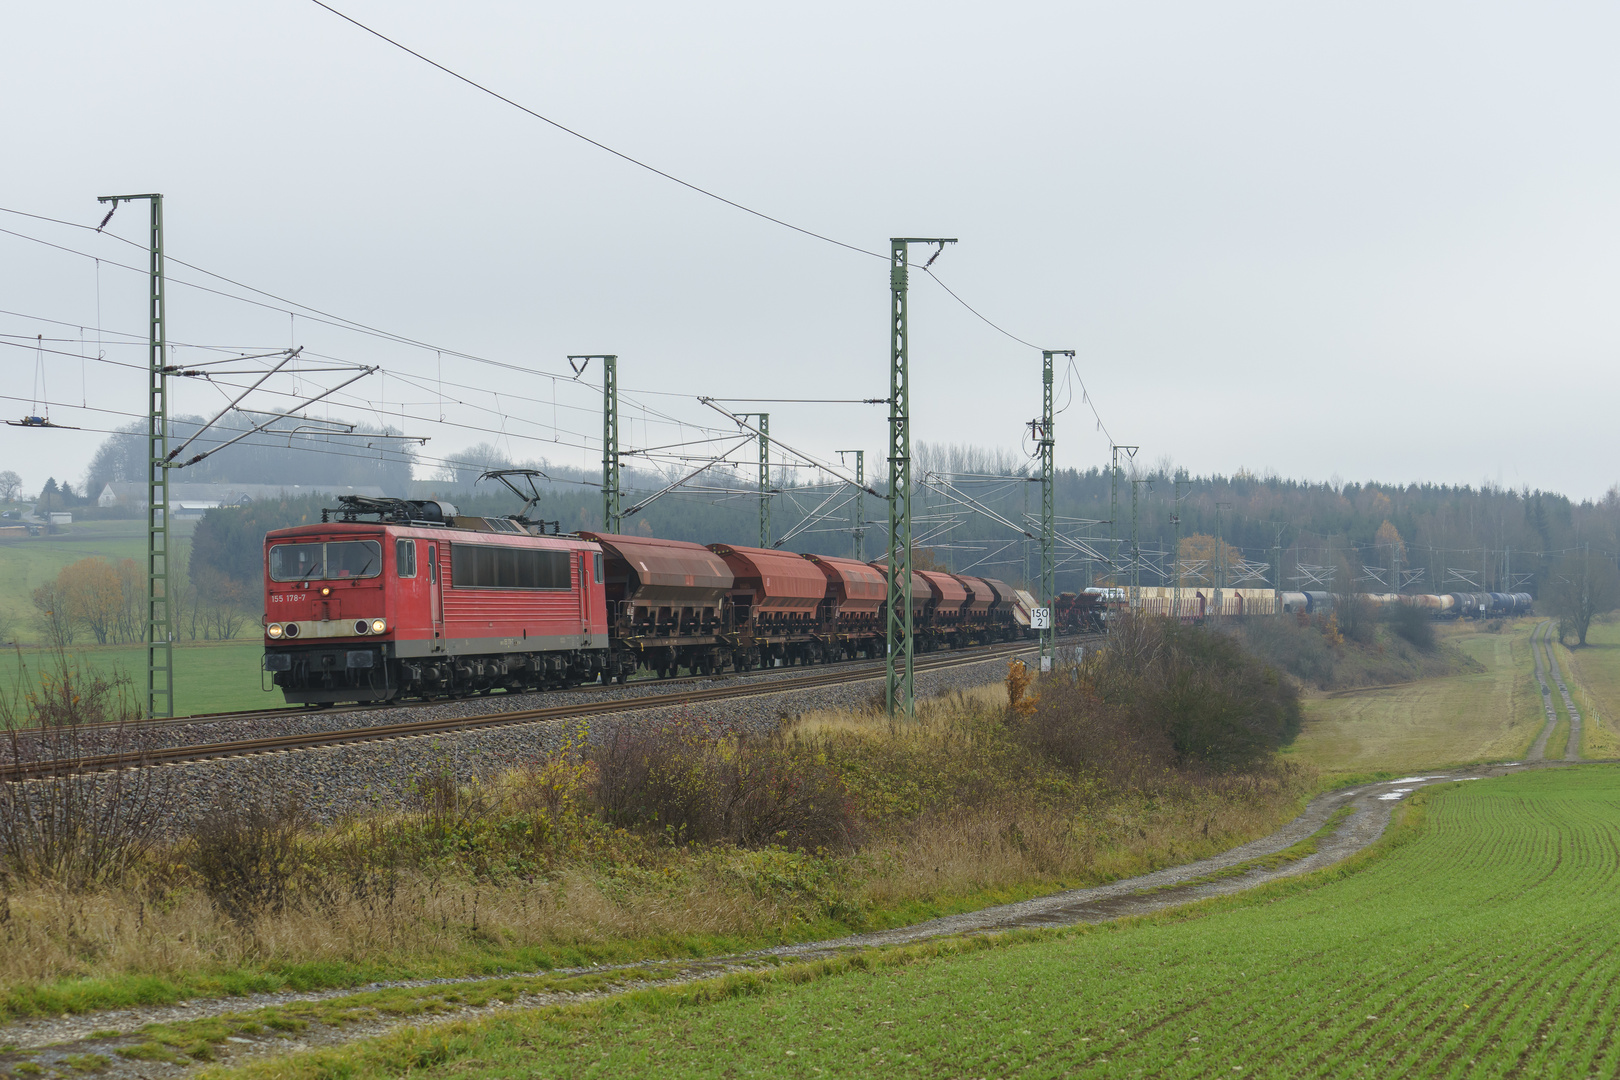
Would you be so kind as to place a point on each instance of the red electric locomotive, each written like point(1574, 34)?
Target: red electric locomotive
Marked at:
point(408, 607)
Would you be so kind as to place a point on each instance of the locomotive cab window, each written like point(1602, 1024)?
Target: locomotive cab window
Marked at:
point(598, 561)
point(477, 566)
point(405, 558)
point(331, 561)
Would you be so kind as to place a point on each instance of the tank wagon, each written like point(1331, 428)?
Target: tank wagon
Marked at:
point(1197, 602)
point(422, 602)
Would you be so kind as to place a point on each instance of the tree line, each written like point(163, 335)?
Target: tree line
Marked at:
point(103, 601)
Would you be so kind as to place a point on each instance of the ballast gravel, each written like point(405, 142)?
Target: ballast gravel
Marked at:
point(332, 782)
point(283, 723)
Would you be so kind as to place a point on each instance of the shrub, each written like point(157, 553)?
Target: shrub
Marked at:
point(1074, 727)
point(690, 782)
point(1161, 689)
point(1412, 624)
point(1297, 647)
point(247, 854)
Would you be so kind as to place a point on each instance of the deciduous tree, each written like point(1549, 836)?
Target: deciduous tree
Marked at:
point(1585, 585)
point(93, 595)
point(1206, 548)
point(50, 615)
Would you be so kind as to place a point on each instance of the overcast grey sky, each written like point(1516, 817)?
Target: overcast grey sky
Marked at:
point(1374, 240)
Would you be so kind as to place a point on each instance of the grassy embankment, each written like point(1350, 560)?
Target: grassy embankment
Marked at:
point(1593, 676)
point(954, 812)
point(1492, 715)
point(1466, 948)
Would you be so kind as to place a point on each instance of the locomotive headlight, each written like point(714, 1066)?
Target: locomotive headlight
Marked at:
point(378, 626)
point(326, 590)
point(273, 630)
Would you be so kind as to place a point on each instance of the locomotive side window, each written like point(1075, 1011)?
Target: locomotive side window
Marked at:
point(476, 566)
point(325, 562)
point(405, 558)
point(433, 563)
point(598, 561)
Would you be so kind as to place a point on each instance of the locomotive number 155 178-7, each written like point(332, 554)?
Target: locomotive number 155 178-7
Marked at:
point(288, 598)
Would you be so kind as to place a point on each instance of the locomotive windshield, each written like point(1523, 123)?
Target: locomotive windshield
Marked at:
point(326, 562)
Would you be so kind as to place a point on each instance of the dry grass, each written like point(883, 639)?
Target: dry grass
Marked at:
point(1493, 715)
point(933, 715)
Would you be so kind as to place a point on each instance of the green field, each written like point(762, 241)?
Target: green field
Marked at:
point(1492, 715)
point(29, 563)
point(1479, 946)
point(209, 676)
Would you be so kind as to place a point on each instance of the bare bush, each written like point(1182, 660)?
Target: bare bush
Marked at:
point(688, 783)
point(1073, 726)
point(247, 854)
point(1413, 625)
point(58, 821)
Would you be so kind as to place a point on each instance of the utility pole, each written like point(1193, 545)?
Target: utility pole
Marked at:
point(1276, 566)
point(1113, 510)
point(1175, 556)
point(612, 517)
point(858, 530)
point(1113, 506)
point(764, 480)
point(1042, 430)
point(763, 427)
point(899, 690)
point(1136, 547)
point(159, 604)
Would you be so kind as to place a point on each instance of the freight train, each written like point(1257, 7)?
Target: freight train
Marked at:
point(423, 602)
point(1092, 608)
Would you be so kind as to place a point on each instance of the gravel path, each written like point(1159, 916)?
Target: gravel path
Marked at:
point(1538, 749)
point(1370, 807)
point(1572, 752)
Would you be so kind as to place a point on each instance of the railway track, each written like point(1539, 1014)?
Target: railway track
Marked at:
point(194, 752)
point(764, 675)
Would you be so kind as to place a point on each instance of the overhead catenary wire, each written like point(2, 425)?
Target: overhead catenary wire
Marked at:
point(341, 322)
point(599, 145)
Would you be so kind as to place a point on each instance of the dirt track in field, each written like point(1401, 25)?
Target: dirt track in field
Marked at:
point(1547, 668)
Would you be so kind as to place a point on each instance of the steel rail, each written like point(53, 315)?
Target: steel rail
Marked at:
point(196, 752)
point(281, 711)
